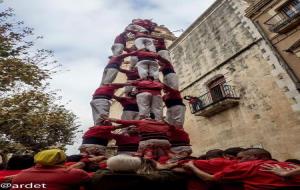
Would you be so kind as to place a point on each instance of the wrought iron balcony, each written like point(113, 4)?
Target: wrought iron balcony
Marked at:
point(216, 100)
point(281, 23)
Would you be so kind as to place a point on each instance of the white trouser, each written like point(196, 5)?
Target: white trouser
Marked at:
point(148, 68)
point(175, 115)
point(153, 143)
point(109, 75)
point(180, 149)
point(165, 54)
point(130, 115)
point(145, 43)
point(148, 103)
point(136, 28)
point(171, 80)
point(117, 49)
point(133, 61)
point(100, 107)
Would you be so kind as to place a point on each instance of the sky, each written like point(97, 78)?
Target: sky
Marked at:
point(81, 32)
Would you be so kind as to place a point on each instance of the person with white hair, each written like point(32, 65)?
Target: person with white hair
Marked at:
point(124, 163)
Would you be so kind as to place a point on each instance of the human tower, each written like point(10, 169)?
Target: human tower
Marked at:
point(143, 130)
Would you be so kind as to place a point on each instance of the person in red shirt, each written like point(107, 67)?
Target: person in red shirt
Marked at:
point(132, 75)
point(98, 137)
point(154, 142)
point(112, 68)
point(119, 44)
point(128, 141)
point(195, 103)
point(136, 27)
point(294, 170)
point(101, 100)
point(249, 172)
point(175, 108)
point(180, 144)
point(147, 64)
point(145, 23)
point(161, 48)
point(130, 107)
point(149, 98)
point(50, 173)
point(170, 77)
point(15, 165)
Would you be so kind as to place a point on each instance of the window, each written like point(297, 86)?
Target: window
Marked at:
point(216, 88)
point(292, 8)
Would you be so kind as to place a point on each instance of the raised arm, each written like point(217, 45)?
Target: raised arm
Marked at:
point(199, 173)
point(118, 98)
point(122, 56)
point(124, 71)
point(124, 122)
point(281, 171)
point(118, 85)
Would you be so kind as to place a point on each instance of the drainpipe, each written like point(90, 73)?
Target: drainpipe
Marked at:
point(283, 63)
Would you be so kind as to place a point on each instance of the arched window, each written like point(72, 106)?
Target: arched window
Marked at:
point(216, 88)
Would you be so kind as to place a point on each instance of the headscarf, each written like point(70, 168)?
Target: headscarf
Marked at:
point(50, 157)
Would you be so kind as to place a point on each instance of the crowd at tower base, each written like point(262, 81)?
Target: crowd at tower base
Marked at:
point(153, 151)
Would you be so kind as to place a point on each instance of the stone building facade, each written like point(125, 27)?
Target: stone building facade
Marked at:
point(246, 96)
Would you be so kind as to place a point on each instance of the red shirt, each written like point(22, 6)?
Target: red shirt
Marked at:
point(215, 165)
point(103, 132)
point(160, 44)
point(145, 54)
point(130, 74)
point(147, 24)
point(250, 174)
point(172, 94)
point(177, 135)
point(152, 87)
point(54, 178)
point(126, 139)
point(5, 173)
point(106, 90)
point(125, 101)
point(121, 39)
point(147, 126)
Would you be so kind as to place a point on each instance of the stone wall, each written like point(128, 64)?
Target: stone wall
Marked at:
point(222, 42)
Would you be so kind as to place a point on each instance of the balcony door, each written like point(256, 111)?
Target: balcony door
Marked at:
point(216, 89)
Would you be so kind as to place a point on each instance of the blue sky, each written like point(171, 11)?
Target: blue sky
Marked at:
point(81, 33)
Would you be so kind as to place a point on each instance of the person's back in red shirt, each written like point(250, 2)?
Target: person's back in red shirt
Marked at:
point(6, 173)
point(51, 178)
point(251, 175)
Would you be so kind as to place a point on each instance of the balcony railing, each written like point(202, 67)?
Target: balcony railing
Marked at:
point(281, 23)
point(215, 95)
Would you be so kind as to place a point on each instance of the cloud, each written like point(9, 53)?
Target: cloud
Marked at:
point(81, 34)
